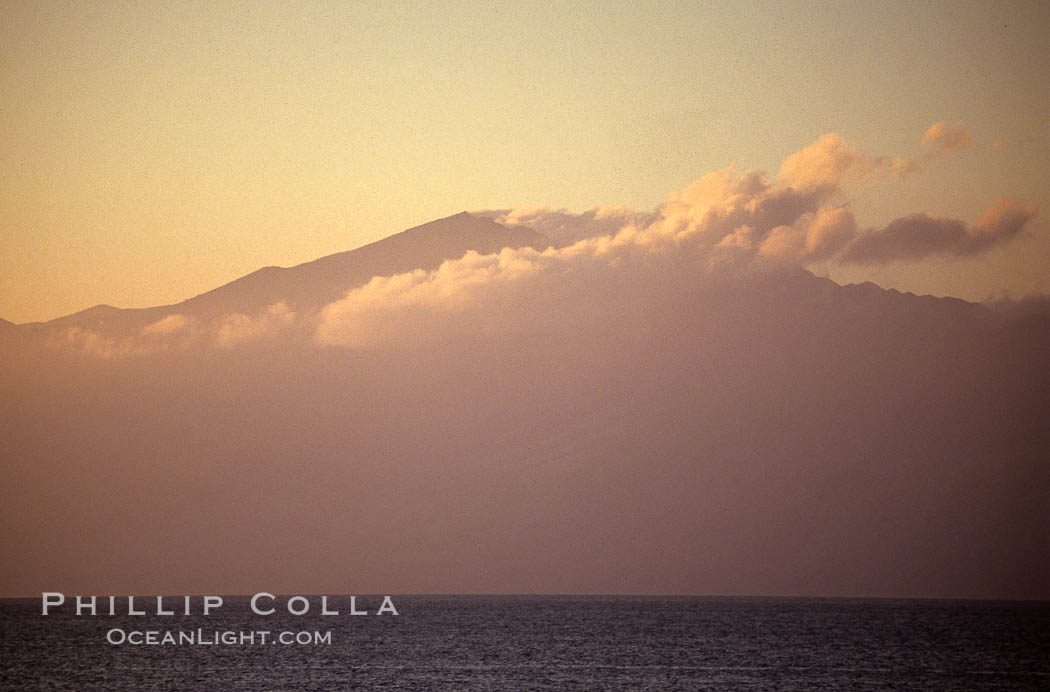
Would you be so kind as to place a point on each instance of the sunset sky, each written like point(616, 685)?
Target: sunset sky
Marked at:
point(150, 152)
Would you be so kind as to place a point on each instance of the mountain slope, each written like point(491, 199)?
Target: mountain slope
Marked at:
point(317, 283)
point(641, 422)
point(312, 285)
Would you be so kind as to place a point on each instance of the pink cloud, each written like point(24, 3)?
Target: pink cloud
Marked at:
point(237, 328)
point(945, 138)
point(917, 236)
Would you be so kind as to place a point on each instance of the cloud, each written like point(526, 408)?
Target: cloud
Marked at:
point(91, 343)
point(826, 163)
point(715, 226)
point(909, 237)
point(723, 210)
point(172, 324)
point(814, 236)
point(562, 227)
point(237, 328)
point(917, 236)
point(500, 292)
point(945, 138)
point(175, 332)
point(1001, 220)
point(831, 162)
point(724, 221)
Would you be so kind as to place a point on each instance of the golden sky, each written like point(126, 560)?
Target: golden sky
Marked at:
point(150, 152)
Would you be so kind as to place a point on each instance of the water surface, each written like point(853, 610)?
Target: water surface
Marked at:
point(553, 643)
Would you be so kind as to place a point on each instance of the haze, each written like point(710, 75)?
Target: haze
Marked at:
point(746, 299)
point(661, 402)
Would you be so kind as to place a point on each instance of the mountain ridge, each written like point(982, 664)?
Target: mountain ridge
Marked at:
point(652, 425)
point(310, 285)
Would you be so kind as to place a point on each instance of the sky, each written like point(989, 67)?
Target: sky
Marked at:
point(150, 153)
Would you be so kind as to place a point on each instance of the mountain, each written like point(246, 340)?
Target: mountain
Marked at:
point(317, 283)
point(310, 286)
point(611, 418)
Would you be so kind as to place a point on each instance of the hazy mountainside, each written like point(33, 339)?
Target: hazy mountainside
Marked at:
point(312, 285)
point(649, 425)
point(317, 283)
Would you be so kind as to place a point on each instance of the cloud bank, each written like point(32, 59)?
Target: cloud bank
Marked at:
point(726, 221)
point(671, 406)
point(723, 220)
point(176, 332)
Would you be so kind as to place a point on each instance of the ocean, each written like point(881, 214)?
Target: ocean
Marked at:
point(537, 643)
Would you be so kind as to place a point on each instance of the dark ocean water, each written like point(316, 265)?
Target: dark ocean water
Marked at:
point(548, 643)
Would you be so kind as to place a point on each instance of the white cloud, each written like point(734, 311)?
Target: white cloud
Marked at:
point(238, 328)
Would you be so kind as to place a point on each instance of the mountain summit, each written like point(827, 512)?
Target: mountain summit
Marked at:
point(611, 417)
point(312, 285)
